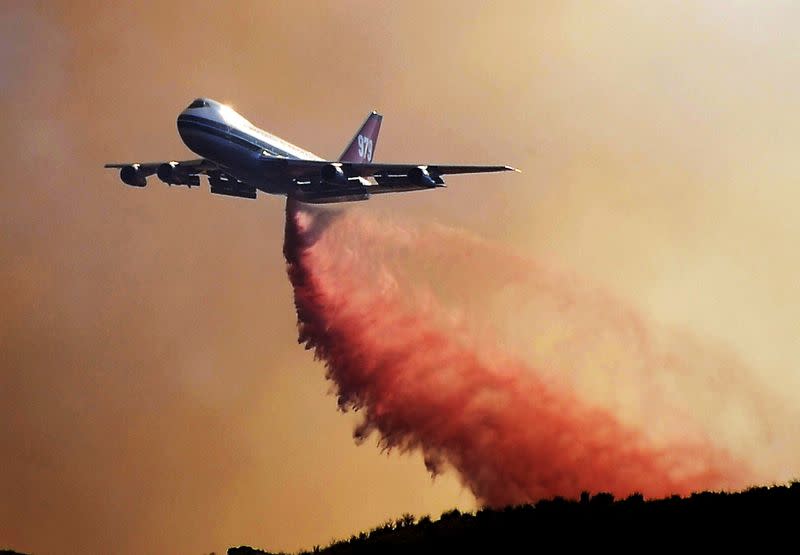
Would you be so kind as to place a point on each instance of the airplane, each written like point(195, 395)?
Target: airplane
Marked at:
point(239, 159)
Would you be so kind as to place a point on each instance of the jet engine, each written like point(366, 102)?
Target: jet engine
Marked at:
point(421, 176)
point(171, 174)
point(133, 176)
point(333, 174)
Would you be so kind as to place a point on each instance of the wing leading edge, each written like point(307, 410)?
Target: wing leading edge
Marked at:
point(199, 165)
point(325, 181)
point(312, 168)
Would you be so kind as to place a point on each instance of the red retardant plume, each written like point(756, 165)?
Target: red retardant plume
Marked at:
point(426, 378)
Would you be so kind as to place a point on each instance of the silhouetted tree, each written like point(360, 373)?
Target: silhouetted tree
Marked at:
point(407, 519)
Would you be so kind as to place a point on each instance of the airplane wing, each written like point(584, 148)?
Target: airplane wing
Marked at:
point(314, 168)
point(322, 181)
point(316, 181)
point(185, 172)
point(372, 170)
point(199, 165)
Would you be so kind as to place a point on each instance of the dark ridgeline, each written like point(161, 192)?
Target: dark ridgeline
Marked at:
point(766, 515)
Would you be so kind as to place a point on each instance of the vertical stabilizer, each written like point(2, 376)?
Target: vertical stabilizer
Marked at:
point(362, 148)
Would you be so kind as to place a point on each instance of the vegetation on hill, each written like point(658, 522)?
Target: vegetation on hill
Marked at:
point(592, 521)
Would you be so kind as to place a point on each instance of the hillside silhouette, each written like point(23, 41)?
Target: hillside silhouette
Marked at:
point(764, 514)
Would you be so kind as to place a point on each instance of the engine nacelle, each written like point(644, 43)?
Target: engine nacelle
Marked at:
point(334, 175)
point(421, 176)
point(170, 173)
point(133, 176)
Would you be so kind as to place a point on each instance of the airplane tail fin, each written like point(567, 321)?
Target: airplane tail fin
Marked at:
point(362, 148)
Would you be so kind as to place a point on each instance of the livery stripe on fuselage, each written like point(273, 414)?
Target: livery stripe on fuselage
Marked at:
point(231, 134)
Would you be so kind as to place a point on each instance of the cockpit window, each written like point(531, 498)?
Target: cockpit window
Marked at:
point(199, 103)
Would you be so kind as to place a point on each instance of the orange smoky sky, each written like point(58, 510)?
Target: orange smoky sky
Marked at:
point(153, 397)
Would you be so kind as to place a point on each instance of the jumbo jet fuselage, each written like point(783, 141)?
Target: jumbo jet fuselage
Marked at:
point(220, 134)
point(240, 159)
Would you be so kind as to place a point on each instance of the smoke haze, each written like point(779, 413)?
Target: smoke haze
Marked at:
point(153, 397)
